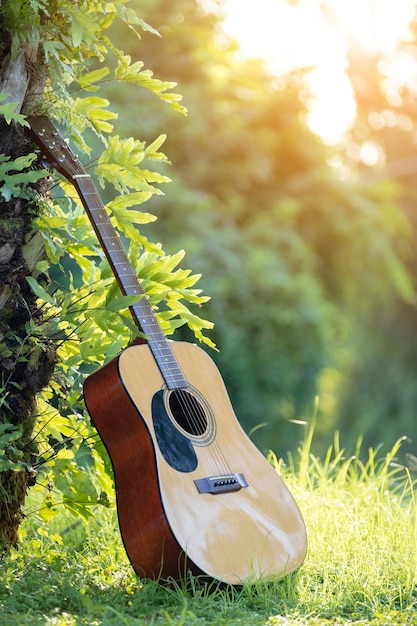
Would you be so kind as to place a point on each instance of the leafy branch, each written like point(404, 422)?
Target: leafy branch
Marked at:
point(84, 314)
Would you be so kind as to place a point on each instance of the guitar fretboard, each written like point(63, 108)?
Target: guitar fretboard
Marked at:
point(126, 277)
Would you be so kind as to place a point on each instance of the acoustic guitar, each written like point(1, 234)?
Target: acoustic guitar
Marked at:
point(192, 491)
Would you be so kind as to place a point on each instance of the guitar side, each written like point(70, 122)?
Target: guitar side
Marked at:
point(147, 537)
point(241, 535)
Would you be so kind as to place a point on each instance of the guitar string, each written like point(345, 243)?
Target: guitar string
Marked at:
point(190, 407)
point(187, 402)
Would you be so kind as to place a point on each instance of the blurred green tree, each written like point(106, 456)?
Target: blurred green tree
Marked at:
point(378, 396)
point(282, 236)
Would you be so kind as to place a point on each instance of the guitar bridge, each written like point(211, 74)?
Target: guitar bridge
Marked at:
point(221, 484)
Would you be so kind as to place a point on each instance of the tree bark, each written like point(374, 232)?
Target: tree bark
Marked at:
point(25, 365)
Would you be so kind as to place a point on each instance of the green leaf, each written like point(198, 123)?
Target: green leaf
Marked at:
point(127, 216)
point(122, 302)
point(118, 164)
point(13, 181)
point(152, 149)
point(51, 50)
point(7, 110)
point(88, 79)
point(49, 509)
point(92, 107)
point(133, 73)
point(131, 199)
point(84, 25)
point(131, 18)
point(39, 290)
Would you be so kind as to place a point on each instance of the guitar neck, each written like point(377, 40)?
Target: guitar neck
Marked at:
point(141, 311)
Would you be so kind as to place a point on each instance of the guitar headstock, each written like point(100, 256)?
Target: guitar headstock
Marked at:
point(54, 147)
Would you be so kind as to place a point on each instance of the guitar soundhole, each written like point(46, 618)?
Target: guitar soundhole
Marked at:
point(188, 412)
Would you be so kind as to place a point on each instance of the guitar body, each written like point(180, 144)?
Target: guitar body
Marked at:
point(238, 522)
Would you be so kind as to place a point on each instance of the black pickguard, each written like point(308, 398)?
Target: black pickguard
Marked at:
point(176, 449)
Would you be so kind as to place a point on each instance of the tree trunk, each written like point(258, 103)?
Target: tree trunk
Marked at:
point(25, 365)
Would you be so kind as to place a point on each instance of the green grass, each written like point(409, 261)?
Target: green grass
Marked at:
point(360, 569)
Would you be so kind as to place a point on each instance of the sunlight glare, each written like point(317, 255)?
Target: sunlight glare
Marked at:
point(303, 35)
